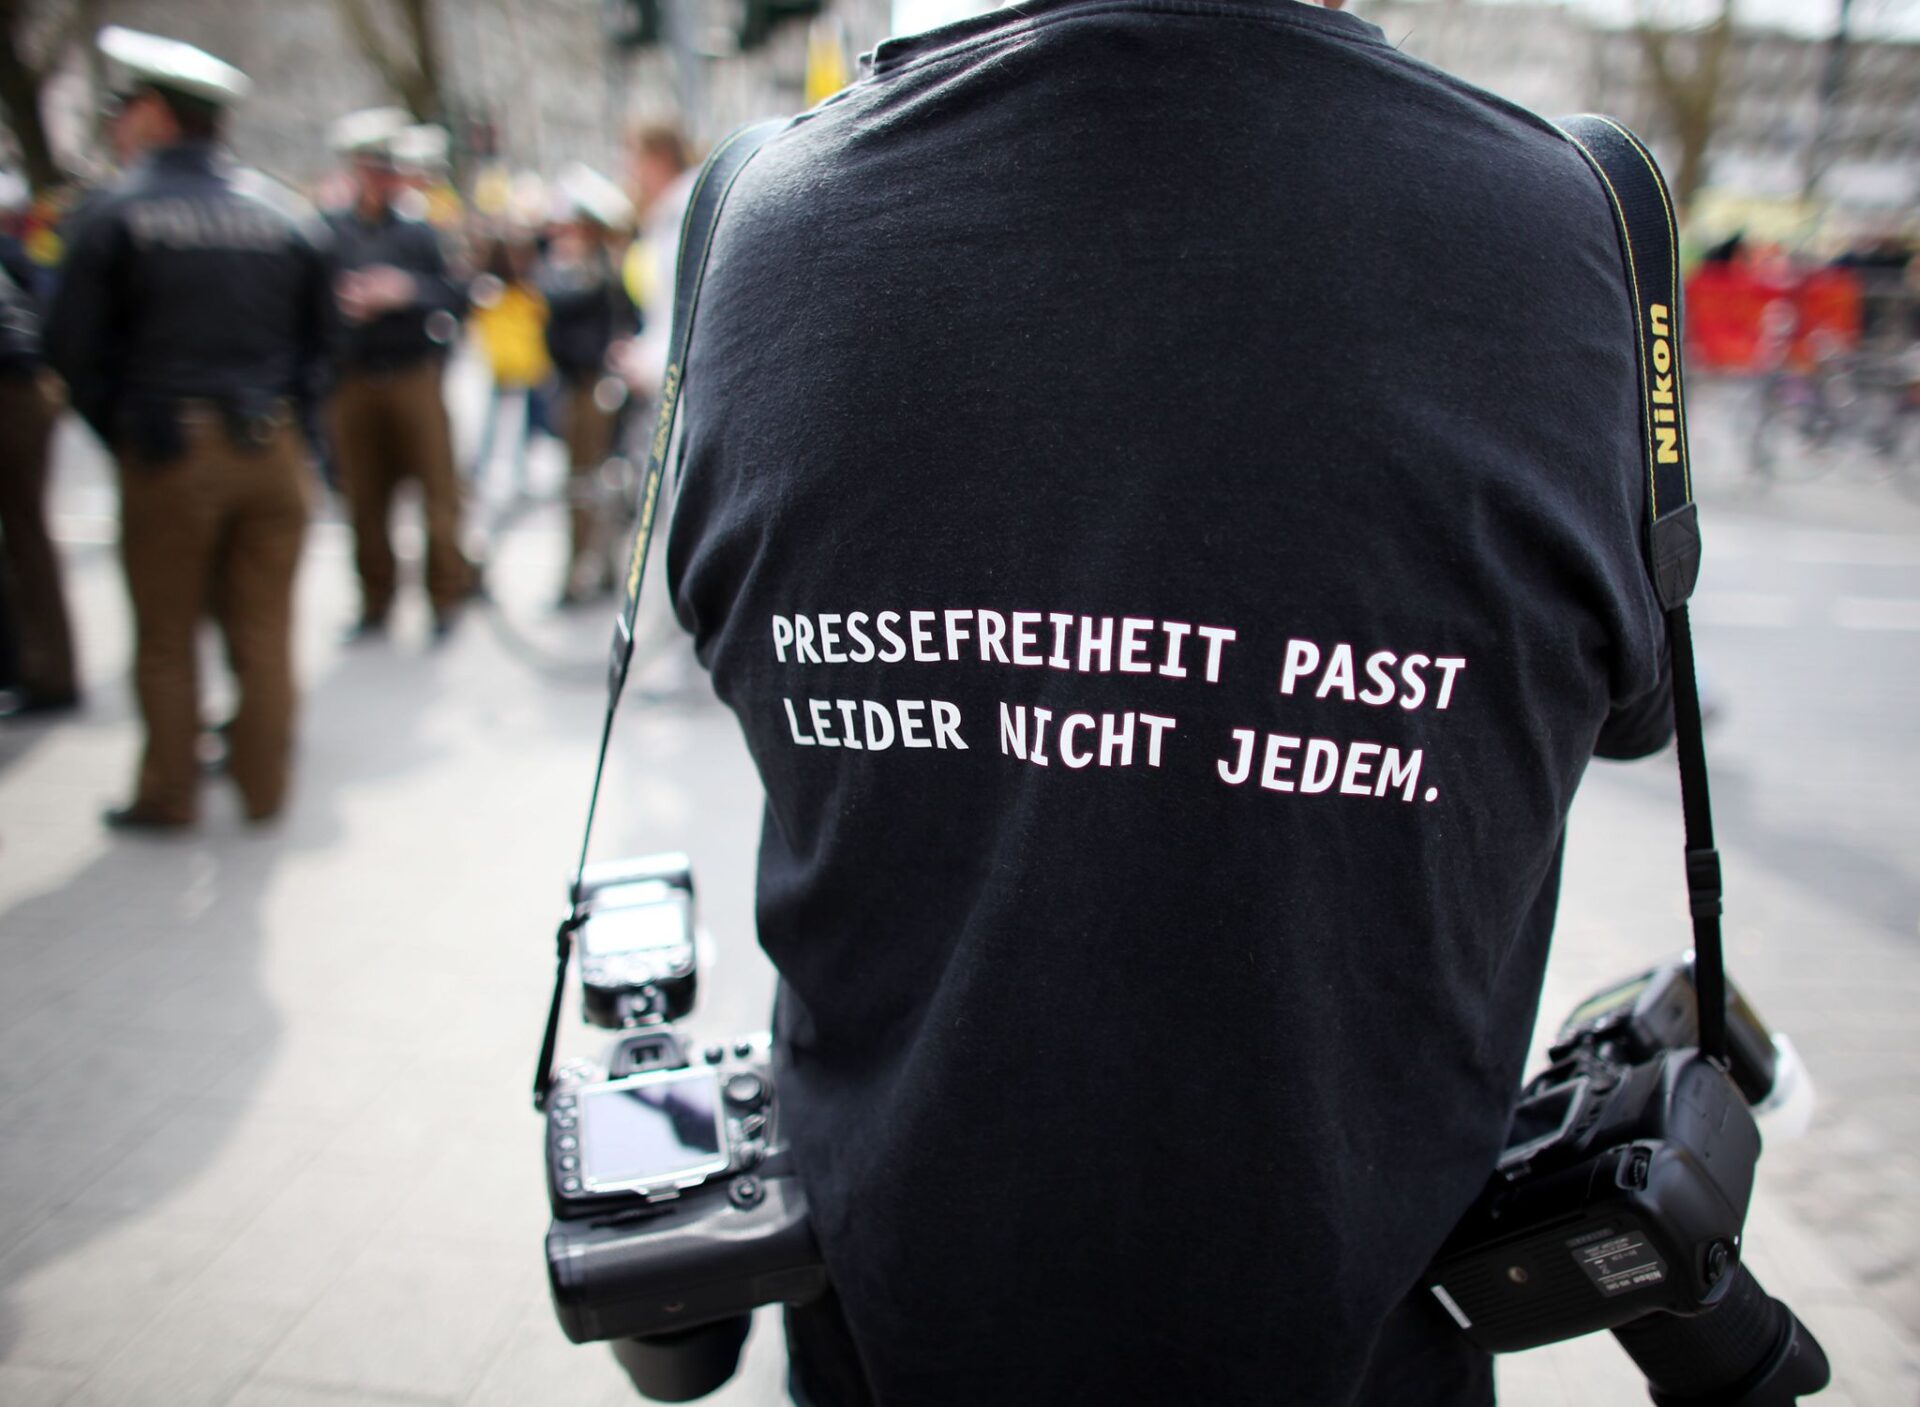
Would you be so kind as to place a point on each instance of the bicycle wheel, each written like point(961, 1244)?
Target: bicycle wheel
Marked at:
point(1795, 433)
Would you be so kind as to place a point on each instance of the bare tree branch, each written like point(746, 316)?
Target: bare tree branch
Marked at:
point(426, 51)
point(1689, 98)
point(20, 84)
point(413, 76)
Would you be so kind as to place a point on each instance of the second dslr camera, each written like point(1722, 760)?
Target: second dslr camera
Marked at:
point(675, 1210)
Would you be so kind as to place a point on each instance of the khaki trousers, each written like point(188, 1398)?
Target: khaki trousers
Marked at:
point(589, 435)
point(27, 416)
point(388, 426)
point(217, 531)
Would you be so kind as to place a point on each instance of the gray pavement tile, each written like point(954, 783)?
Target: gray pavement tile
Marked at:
point(22, 1386)
point(1590, 1372)
point(196, 1353)
point(318, 1071)
point(77, 1287)
point(202, 1168)
point(1869, 1359)
point(40, 1173)
point(100, 1086)
point(272, 1392)
point(318, 1223)
point(484, 1193)
point(401, 1131)
point(413, 1314)
point(539, 1364)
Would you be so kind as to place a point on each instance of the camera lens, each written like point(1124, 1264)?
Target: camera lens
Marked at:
point(1748, 1349)
point(687, 1365)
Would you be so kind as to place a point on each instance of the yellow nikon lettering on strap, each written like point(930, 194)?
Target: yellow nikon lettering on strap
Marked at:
point(663, 422)
point(1666, 434)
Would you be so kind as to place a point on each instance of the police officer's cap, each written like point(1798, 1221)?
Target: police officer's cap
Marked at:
point(591, 195)
point(421, 147)
point(369, 133)
point(152, 61)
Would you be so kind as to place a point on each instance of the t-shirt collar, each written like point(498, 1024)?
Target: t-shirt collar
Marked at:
point(891, 53)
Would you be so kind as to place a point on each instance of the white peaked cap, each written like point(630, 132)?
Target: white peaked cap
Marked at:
point(589, 193)
point(422, 144)
point(167, 63)
point(370, 131)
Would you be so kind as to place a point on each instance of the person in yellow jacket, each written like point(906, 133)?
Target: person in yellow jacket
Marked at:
point(509, 322)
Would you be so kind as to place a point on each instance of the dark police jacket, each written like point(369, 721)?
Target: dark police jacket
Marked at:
point(192, 278)
point(19, 325)
point(587, 311)
point(1163, 498)
point(408, 335)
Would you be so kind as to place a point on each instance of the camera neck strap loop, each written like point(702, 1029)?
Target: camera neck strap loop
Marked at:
point(710, 190)
point(1650, 249)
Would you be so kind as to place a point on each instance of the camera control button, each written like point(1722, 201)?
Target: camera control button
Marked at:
point(746, 1191)
point(568, 1143)
point(569, 1184)
point(569, 1163)
point(715, 1054)
point(753, 1125)
point(745, 1091)
point(743, 1049)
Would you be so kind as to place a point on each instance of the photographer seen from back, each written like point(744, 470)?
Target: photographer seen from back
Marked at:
point(1162, 496)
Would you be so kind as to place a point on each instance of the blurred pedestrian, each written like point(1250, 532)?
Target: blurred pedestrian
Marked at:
point(389, 417)
point(191, 325)
point(660, 174)
point(591, 314)
point(45, 681)
point(509, 320)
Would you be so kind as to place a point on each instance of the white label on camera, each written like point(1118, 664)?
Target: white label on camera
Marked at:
point(1446, 1302)
point(1621, 1263)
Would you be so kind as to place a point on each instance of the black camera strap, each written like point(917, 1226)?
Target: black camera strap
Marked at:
point(1650, 248)
point(709, 194)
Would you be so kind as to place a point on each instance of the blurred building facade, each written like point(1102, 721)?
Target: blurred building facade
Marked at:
point(1555, 60)
point(537, 83)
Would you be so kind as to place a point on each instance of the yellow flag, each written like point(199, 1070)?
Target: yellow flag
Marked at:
point(826, 61)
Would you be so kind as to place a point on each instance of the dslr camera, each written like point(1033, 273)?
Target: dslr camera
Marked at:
point(676, 1212)
point(1620, 1199)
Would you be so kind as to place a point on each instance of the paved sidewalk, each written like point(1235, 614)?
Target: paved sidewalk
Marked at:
point(266, 1138)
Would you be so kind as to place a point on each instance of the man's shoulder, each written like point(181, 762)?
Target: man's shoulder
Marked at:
point(259, 189)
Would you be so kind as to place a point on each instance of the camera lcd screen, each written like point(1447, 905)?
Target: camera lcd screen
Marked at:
point(1611, 1000)
point(653, 1129)
point(631, 928)
point(1543, 1120)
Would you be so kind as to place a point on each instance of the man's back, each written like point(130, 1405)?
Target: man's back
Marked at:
point(192, 277)
point(1248, 413)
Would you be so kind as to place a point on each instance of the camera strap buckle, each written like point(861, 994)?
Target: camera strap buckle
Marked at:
point(1703, 883)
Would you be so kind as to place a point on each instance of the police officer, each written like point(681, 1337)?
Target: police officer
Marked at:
point(46, 677)
point(389, 420)
point(191, 325)
point(589, 313)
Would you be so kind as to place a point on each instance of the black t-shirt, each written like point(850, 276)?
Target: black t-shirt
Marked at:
point(1162, 495)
